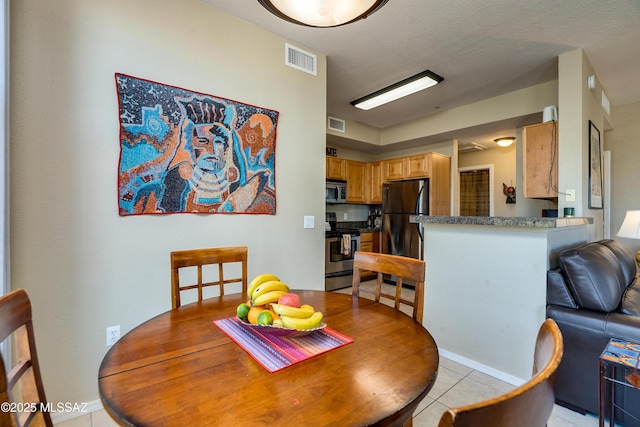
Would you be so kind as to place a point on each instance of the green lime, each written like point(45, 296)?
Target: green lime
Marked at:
point(243, 311)
point(265, 318)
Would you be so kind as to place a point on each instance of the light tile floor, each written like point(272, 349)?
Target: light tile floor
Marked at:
point(456, 385)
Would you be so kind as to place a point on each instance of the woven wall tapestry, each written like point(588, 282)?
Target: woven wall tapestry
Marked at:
point(188, 152)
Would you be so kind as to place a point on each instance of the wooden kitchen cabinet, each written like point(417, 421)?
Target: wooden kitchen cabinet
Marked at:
point(369, 242)
point(356, 182)
point(418, 166)
point(366, 242)
point(540, 160)
point(365, 179)
point(336, 168)
point(393, 169)
point(373, 182)
point(440, 185)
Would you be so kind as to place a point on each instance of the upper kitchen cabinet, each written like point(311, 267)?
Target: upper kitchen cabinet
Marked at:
point(364, 179)
point(540, 160)
point(336, 168)
point(435, 166)
point(373, 182)
point(393, 169)
point(417, 166)
point(356, 182)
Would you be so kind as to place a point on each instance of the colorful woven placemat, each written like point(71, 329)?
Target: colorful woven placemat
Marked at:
point(274, 352)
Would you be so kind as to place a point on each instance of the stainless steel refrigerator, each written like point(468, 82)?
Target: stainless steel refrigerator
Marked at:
point(400, 200)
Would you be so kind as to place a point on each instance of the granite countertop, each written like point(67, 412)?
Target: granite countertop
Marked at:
point(371, 230)
point(532, 222)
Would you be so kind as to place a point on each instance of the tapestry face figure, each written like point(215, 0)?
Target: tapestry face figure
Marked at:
point(212, 173)
point(210, 147)
point(203, 168)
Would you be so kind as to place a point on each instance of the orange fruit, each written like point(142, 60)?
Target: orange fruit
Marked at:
point(253, 314)
point(274, 315)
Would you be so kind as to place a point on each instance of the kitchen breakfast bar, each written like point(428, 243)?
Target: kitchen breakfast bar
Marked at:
point(485, 288)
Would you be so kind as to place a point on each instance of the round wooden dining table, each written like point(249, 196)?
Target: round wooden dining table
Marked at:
point(180, 369)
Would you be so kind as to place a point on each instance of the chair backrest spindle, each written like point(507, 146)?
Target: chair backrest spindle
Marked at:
point(403, 268)
point(202, 257)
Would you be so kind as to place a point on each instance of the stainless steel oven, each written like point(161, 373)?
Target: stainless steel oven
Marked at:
point(339, 258)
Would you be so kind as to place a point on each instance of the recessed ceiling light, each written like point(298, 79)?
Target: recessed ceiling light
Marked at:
point(398, 90)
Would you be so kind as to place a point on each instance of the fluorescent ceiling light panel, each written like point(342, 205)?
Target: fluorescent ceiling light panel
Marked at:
point(398, 90)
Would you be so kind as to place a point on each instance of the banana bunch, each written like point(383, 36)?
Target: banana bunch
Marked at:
point(264, 294)
point(304, 317)
point(259, 280)
point(265, 289)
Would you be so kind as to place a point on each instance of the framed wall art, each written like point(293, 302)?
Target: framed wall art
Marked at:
point(595, 168)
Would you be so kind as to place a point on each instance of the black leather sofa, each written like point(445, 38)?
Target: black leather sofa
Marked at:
point(594, 295)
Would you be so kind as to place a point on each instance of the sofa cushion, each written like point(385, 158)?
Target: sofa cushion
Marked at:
point(557, 292)
point(625, 258)
point(631, 300)
point(594, 276)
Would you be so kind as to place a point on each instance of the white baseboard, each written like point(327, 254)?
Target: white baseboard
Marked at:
point(84, 409)
point(502, 376)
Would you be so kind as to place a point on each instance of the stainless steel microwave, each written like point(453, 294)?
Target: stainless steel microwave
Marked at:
point(336, 192)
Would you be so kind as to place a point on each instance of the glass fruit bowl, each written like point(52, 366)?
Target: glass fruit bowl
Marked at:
point(282, 332)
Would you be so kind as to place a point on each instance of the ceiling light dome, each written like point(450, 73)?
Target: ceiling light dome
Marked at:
point(505, 141)
point(322, 13)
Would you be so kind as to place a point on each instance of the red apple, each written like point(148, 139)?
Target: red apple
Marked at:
point(292, 300)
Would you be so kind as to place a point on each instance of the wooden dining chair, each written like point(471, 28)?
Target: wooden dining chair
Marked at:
point(528, 405)
point(396, 266)
point(21, 385)
point(203, 257)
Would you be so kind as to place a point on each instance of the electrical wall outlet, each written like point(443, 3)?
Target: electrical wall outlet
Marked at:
point(113, 334)
point(570, 195)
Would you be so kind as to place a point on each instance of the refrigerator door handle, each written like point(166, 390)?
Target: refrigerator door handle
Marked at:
point(417, 211)
point(418, 201)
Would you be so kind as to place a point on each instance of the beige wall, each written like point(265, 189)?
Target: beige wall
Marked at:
point(577, 105)
point(85, 267)
point(624, 143)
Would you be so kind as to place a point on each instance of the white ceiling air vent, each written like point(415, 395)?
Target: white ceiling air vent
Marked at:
point(337, 125)
point(300, 60)
point(474, 146)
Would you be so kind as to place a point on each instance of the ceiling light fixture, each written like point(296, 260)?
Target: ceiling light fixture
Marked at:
point(505, 141)
point(398, 90)
point(322, 13)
